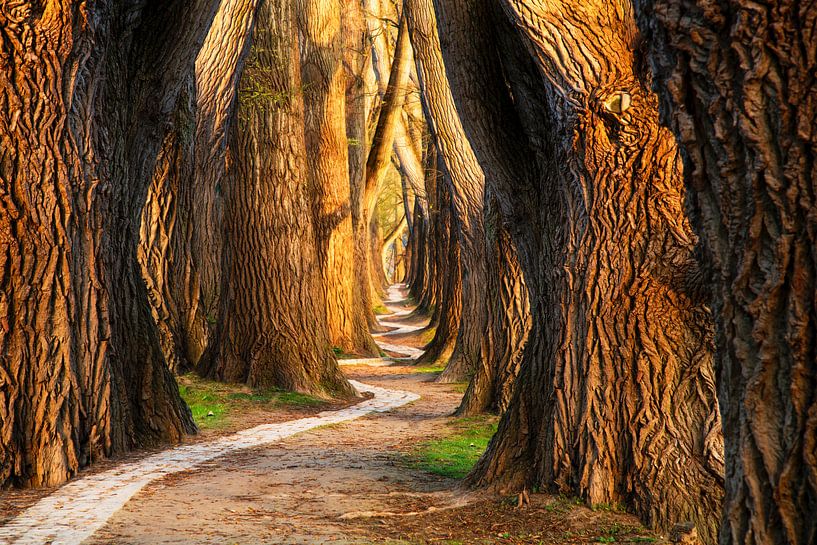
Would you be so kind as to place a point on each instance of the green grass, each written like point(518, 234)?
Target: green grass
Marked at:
point(227, 400)
point(380, 310)
point(454, 456)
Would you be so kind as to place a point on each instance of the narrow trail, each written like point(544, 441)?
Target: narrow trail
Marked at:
point(289, 482)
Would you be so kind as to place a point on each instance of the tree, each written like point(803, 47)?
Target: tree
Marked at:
point(323, 81)
point(83, 372)
point(737, 86)
point(180, 249)
point(615, 401)
point(270, 286)
point(480, 348)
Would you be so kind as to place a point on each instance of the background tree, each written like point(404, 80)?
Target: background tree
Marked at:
point(737, 84)
point(82, 369)
point(615, 400)
point(180, 247)
point(324, 86)
point(478, 351)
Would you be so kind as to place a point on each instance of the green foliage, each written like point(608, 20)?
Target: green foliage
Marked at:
point(213, 403)
point(454, 456)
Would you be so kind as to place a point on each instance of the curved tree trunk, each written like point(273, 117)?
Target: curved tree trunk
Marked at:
point(359, 97)
point(81, 364)
point(467, 190)
point(165, 249)
point(615, 400)
point(271, 329)
point(448, 318)
point(218, 67)
point(324, 89)
point(492, 385)
point(738, 86)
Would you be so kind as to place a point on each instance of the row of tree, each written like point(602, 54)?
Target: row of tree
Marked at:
point(193, 185)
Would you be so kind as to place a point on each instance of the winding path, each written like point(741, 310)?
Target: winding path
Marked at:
point(77, 510)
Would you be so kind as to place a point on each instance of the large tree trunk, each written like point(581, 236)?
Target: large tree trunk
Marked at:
point(82, 368)
point(615, 401)
point(324, 85)
point(272, 329)
point(738, 87)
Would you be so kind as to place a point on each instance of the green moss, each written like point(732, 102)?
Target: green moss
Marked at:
point(214, 403)
point(380, 310)
point(454, 456)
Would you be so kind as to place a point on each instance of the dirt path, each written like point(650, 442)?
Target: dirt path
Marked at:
point(345, 483)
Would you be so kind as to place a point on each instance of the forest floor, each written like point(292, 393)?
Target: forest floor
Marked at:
point(375, 479)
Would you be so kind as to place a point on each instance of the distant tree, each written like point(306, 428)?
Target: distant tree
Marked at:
point(494, 308)
point(323, 78)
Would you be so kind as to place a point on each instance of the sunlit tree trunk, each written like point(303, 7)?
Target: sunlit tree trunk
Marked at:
point(271, 329)
point(448, 312)
point(324, 89)
point(88, 93)
point(737, 83)
point(615, 401)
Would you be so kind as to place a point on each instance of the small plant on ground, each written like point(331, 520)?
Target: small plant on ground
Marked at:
point(454, 455)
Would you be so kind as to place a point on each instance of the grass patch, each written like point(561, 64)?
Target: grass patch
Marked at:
point(459, 387)
point(455, 455)
point(380, 310)
point(433, 369)
point(213, 403)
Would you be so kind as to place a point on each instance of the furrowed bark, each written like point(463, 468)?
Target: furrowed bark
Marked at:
point(319, 23)
point(83, 372)
point(737, 86)
point(270, 280)
point(165, 249)
point(615, 401)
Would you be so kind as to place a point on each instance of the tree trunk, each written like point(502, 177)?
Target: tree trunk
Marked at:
point(737, 83)
point(449, 274)
point(492, 385)
point(359, 97)
point(165, 249)
point(323, 81)
point(615, 401)
point(81, 364)
point(218, 67)
point(272, 331)
point(467, 190)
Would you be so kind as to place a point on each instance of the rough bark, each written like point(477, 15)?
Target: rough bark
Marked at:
point(165, 238)
point(491, 387)
point(360, 87)
point(271, 329)
point(324, 86)
point(81, 127)
point(737, 86)
point(616, 399)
